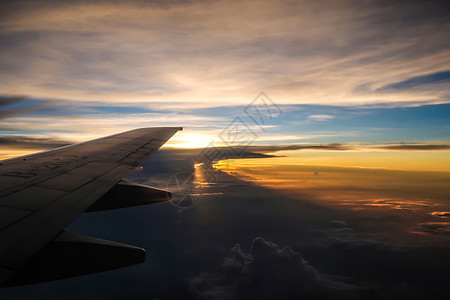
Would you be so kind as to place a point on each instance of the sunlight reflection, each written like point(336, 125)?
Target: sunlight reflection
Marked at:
point(354, 188)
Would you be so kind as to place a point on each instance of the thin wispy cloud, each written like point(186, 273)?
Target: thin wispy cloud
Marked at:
point(29, 142)
point(416, 147)
point(224, 51)
point(320, 117)
point(432, 146)
point(11, 106)
point(419, 81)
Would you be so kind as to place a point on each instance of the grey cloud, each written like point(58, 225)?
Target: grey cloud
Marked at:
point(260, 151)
point(268, 272)
point(205, 155)
point(141, 49)
point(7, 112)
point(418, 81)
point(339, 224)
point(8, 100)
point(263, 151)
point(29, 142)
point(332, 146)
point(268, 150)
point(433, 228)
point(5, 101)
point(415, 147)
point(342, 147)
point(441, 214)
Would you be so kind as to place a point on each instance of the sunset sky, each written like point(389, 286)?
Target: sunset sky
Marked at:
point(369, 73)
point(351, 166)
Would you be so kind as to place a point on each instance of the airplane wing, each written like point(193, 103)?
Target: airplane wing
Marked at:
point(40, 194)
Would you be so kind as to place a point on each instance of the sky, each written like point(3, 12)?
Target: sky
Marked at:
point(330, 121)
point(347, 71)
point(200, 53)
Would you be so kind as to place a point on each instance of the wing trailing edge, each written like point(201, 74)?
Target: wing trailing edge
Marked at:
point(71, 254)
point(128, 194)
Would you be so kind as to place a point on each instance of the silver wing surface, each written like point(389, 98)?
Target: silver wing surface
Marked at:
point(40, 194)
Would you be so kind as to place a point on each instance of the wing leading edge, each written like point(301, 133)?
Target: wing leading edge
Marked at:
point(40, 194)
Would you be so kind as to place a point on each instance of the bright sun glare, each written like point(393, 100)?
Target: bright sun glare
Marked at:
point(187, 140)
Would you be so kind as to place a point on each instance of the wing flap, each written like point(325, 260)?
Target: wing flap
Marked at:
point(127, 194)
point(72, 254)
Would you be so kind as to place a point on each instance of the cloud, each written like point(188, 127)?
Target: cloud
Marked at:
point(200, 132)
point(339, 223)
point(94, 125)
point(27, 142)
point(211, 52)
point(8, 100)
point(441, 214)
point(269, 149)
point(320, 117)
point(434, 78)
point(115, 124)
point(277, 148)
point(432, 146)
point(415, 146)
point(341, 226)
point(433, 228)
point(268, 272)
point(181, 56)
point(10, 106)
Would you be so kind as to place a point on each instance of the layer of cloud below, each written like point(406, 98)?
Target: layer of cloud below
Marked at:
point(268, 272)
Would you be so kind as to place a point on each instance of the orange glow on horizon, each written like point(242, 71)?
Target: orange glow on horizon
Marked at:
point(419, 192)
point(389, 160)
